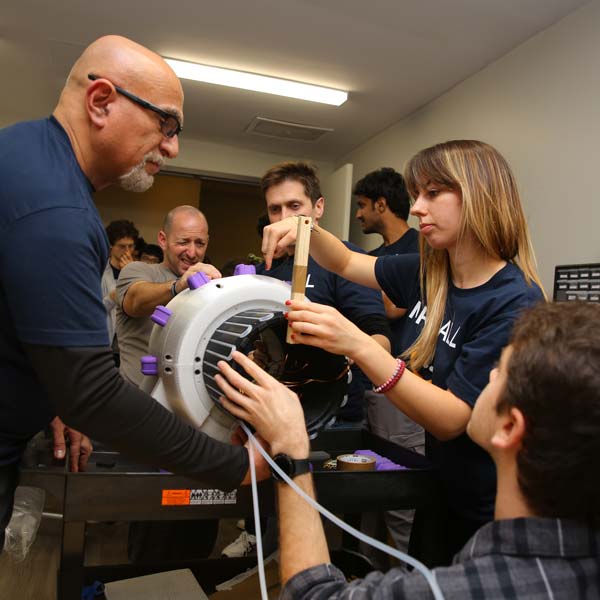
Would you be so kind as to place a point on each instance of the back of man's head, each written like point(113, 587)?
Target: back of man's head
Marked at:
point(554, 380)
point(385, 183)
point(293, 171)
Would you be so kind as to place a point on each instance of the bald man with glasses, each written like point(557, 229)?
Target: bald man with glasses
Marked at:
point(116, 122)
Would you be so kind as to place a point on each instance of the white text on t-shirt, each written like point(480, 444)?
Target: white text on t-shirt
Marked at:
point(419, 314)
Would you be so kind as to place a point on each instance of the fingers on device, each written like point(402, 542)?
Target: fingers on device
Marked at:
point(212, 319)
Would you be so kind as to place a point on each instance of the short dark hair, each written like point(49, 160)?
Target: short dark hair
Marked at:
point(117, 230)
point(153, 250)
point(554, 380)
point(386, 183)
point(293, 171)
point(140, 244)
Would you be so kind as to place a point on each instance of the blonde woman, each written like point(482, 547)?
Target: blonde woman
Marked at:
point(475, 273)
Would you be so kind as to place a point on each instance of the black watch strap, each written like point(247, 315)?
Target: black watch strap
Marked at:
point(292, 467)
point(174, 288)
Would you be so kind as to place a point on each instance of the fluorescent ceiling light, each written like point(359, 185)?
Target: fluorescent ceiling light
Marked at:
point(257, 83)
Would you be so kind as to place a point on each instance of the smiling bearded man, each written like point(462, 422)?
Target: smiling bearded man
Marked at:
point(142, 287)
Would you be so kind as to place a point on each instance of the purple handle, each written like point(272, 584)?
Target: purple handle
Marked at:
point(382, 463)
point(149, 365)
point(197, 280)
point(161, 315)
point(243, 269)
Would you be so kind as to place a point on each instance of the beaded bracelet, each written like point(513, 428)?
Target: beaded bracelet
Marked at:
point(393, 380)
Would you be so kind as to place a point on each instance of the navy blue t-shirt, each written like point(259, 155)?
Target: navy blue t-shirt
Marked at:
point(476, 326)
point(53, 250)
point(407, 244)
point(354, 301)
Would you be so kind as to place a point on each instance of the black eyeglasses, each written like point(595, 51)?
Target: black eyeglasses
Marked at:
point(169, 126)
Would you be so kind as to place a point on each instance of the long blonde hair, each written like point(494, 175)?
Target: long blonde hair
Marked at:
point(491, 212)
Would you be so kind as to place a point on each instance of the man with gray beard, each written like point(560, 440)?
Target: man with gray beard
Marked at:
point(117, 120)
point(138, 179)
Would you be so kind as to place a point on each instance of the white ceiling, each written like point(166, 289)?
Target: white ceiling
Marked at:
point(393, 56)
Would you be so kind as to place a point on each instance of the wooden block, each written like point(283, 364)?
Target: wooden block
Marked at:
point(300, 263)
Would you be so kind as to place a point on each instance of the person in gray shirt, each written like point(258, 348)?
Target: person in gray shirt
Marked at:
point(142, 287)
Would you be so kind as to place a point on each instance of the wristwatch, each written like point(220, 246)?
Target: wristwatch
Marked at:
point(292, 467)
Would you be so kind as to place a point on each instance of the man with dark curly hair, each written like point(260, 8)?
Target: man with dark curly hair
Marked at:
point(383, 204)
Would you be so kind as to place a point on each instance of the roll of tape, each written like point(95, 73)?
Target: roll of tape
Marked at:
point(355, 462)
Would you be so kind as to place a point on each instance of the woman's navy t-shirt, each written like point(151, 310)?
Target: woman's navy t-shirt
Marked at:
point(477, 324)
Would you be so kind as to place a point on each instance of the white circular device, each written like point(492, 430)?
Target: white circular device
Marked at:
point(198, 328)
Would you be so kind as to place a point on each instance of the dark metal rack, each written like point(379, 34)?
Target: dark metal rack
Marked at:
point(115, 489)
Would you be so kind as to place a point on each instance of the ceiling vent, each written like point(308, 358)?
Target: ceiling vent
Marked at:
point(286, 130)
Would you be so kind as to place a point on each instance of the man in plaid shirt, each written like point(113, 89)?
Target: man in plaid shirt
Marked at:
point(539, 418)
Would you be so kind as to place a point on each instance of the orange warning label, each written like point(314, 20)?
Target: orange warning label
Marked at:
point(175, 497)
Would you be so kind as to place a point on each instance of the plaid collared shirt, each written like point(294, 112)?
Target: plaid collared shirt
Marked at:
point(528, 558)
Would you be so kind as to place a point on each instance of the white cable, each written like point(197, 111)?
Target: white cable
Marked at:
point(257, 532)
point(429, 575)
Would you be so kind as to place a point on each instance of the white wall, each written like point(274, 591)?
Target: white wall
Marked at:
point(336, 190)
point(540, 106)
point(228, 160)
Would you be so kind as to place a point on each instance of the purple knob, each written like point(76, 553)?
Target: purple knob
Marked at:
point(161, 315)
point(197, 280)
point(242, 269)
point(149, 365)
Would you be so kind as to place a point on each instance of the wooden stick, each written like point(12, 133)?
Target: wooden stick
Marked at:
point(300, 264)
